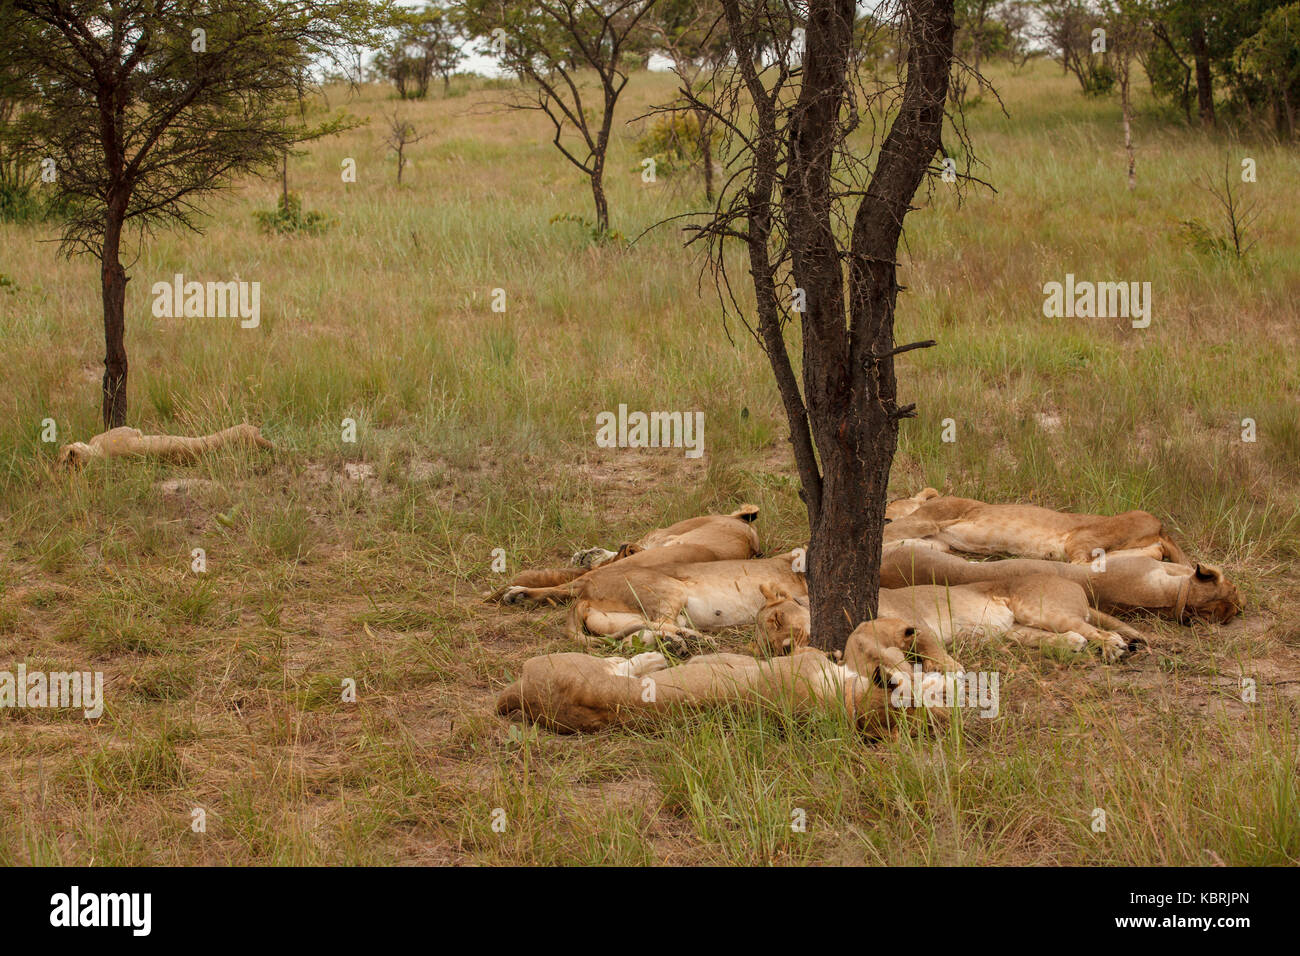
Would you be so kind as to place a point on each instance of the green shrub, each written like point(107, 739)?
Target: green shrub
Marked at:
point(673, 142)
point(597, 235)
point(288, 218)
point(24, 202)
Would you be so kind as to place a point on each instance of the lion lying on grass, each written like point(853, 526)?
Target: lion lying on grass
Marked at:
point(675, 601)
point(976, 527)
point(706, 538)
point(1177, 591)
point(581, 693)
point(117, 442)
point(1036, 609)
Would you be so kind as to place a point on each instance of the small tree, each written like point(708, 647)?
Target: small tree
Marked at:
point(1067, 26)
point(1272, 58)
point(401, 134)
point(979, 35)
point(1017, 19)
point(692, 35)
point(147, 107)
point(547, 44)
point(442, 40)
point(426, 42)
point(1128, 38)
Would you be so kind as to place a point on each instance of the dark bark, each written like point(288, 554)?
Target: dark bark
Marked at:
point(848, 405)
point(857, 430)
point(706, 153)
point(113, 287)
point(1204, 78)
point(1184, 95)
point(598, 159)
point(598, 197)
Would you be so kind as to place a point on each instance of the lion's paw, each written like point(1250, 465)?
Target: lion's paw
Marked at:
point(515, 594)
point(592, 557)
point(1113, 647)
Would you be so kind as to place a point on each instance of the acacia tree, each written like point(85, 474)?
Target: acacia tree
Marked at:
point(426, 42)
point(401, 134)
point(1067, 26)
point(979, 34)
point(692, 35)
point(547, 44)
point(147, 107)
point(821, 228)
point(1271, 57)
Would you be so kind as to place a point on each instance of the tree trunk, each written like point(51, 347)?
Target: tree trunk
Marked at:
point(1126, 109)
point(113, 287)
point(598, 196)
point(847, 414)
point(1204, 79)
point(845, 543)
point(598, 164)
point(857, 428)
point(706, 154)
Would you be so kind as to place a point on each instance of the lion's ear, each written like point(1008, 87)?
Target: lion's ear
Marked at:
point(1205, 573)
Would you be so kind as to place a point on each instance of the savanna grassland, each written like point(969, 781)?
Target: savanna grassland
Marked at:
point(330, 560)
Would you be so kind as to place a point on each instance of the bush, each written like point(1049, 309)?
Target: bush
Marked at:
point(673, 142)
point(288, 218)
point(1098, 81)
point(597, 235)
point(23, 202)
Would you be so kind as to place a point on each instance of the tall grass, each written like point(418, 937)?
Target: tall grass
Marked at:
point(478, 429)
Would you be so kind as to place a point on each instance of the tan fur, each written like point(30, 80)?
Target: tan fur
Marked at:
point(784, 626)
point(1036, 609)
point(583, 693)
point(903, 507)
point(673, 600)
point(706, 538)
point(1127, 584)
point(117, 442)
point(976, 527)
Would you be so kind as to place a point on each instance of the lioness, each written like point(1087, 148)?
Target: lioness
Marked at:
point(784, 627)
point(902, 507)
point(976, 527)
point(706, 538)
point(673, 600)
point(1037, 609)
point(1177, 591)
point(581, 693)
point(131, 441)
